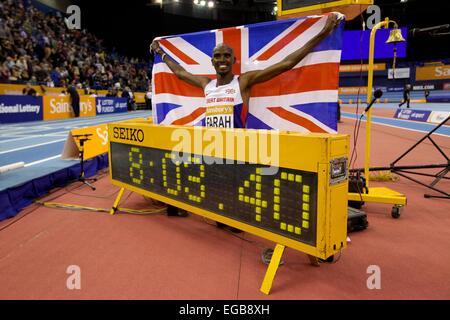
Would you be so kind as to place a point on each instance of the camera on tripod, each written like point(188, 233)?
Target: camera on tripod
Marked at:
point(82, 138)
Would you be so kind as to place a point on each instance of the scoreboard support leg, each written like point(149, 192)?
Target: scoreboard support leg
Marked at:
point(272, 269)
point(116, 202)
point(313, 260)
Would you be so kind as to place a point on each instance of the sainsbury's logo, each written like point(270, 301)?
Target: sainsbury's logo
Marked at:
point(85, 107)
point(103, 135)
point(58, 105)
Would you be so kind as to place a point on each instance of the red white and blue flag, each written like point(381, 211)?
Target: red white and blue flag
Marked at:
point(303, 99)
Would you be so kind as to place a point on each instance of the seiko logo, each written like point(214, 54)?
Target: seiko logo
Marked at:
point(128, 134)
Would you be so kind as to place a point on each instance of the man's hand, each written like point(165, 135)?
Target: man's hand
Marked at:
point(155, 47)
point(178, 70)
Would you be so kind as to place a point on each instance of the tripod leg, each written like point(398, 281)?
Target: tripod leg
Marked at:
point(81, 155)
point(88, 184)
point(440, 175)
point(427, 136)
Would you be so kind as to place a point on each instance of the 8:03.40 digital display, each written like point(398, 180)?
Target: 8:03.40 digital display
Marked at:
point(284, 203)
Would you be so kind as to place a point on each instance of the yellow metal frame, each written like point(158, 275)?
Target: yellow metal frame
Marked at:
point(322, 6)
point(272, 269)
point(379, 195)
point(116, 202)
point(331, 225)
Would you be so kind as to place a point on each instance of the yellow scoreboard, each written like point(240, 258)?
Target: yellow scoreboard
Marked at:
point(296, 8)
point(290, 188)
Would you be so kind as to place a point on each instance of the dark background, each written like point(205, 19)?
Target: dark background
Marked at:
point(130, 26)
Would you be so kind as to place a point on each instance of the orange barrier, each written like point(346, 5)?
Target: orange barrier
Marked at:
point(56, 107)
point(139, 97)
point(87, 106)
point(352, 90)
point(359, 67)
point(97, 144)
point(60, 107)
point(437, 72)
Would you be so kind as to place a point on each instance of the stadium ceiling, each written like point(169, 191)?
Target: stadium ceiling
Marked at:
point(219, 10)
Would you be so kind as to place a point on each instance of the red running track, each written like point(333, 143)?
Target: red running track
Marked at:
point(158, 257)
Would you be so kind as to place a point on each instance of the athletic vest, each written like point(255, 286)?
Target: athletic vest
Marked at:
point(224, 105)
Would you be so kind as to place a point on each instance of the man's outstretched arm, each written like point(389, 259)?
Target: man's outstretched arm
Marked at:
point(248, 79)
point(178, 70)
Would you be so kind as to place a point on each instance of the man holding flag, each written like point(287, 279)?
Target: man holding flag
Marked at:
point(227, 96)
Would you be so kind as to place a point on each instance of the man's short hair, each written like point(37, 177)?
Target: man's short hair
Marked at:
point(223, 45)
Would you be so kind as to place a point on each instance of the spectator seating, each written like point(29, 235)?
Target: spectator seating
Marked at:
point(38, 48)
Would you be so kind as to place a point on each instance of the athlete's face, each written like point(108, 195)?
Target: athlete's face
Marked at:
point(223, 59)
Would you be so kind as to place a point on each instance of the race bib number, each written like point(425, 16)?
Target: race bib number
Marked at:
point(219, 117)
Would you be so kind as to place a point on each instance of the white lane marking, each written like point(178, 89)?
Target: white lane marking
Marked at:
point(54, 134)
point(10, 132)
point(31, 146)
point(43, 160)
point(61, 125)
point(392, 126)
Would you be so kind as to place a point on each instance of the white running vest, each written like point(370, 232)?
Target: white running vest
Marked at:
point(221, 103)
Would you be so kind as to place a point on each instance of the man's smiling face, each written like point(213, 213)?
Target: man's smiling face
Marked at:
point(223, 59)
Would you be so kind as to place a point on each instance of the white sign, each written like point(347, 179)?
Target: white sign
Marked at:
point(438, 116)
point(424, 87)
point(400, 73)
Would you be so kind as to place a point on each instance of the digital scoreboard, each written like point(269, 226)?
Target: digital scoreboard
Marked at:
point(296, 8)
point(286, 187)
point(294, 4)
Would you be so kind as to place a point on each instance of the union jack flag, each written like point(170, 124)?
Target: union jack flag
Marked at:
point(303, 99)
